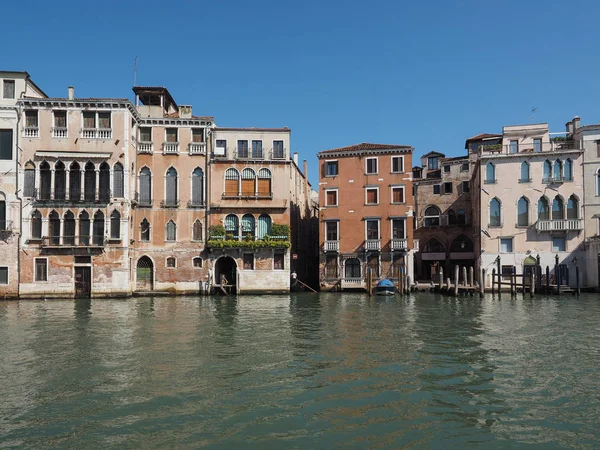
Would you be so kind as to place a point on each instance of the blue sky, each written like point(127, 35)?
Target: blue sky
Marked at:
point(427, 74)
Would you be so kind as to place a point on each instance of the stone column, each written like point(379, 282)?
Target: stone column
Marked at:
point(97, 193)
point(52, 184)
point(67, 181)
point(82, 185)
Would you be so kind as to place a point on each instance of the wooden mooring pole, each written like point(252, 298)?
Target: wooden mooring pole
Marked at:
point(456, 281)
point(471, 280)
point(547, 280)
point(493, 279)
point(578, 291)
point(481, 282)
point(441, 278)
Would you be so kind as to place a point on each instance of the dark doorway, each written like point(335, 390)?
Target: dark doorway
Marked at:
point(144, 274)
point(226, 273)
point(83, 282)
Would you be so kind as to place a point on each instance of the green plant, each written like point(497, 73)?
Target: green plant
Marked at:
point(254, 245)
point(490, 147)
point(216, 230)
point(280, 230)
point(248, 237)
point(229, 236)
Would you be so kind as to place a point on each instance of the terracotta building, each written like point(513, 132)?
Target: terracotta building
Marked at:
point(443, 215)
point(366, 217)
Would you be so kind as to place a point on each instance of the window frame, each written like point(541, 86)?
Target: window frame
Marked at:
point(371, 188)
point(369, 159)
point(332, 163)
point(439, 189)
point(399, 158)
point(445, 184)
point(251, 259)
point(35, 270)
point(508, 239)
point(397, 219)
point(168, 259)
point(394, 187)
point(462, 167)
point(7, 275)
point(433, 162)
point(554, 248)
point(427, 218)
point(277, 255)
point(466, 183)
point(447, 168)
point(537, 142)
point(370, 220)
point(337, 230)
point(500, 213)
point(14, 87)
point(197, 258)
point(337, 200)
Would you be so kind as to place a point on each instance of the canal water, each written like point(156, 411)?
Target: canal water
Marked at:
point(302, 371)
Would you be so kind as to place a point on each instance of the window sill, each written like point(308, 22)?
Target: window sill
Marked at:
point(371, 173)
point(114, 240)
point(331, 206)
point(522, 226)
point(330, 176)
point(494, 226)
point(397, 203)
point(371, 204)
point(398, 172)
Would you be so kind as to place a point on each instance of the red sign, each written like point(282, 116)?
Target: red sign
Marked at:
point(295, 256)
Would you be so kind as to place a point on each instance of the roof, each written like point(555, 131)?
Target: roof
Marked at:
point(456, 158)
point(251, 129)
point(433, 153)
point(484, 136)
point(27, 77)
point(75, 100)
point(363, 146)
point(176, 115)
point(588, 127)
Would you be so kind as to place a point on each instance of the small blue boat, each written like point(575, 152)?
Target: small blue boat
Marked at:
point(385, 287)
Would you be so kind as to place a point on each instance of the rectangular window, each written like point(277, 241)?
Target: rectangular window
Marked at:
point(3, 275)
point(41, 269)
point(248, 261)
point(372, 229)
point(242, 148)
point(464, 167)
point(537, 145)
point(331, 168)
point(598, 148)
point(371, 166)
point(60, 119)
point(372, 196)
point(331, 197)
point(197, 135)
point(398, 231)
point(448, 188)
point(397, 164)
point(278, 261)
point(436, 188)
point(559, 244)
point(6, 144)
point(398, 194)
point(432, 163)
point(171, 135)
point(9, 88)
point(514, 146)
point(257, 149)
point(331, 231)
point(465, 186)
point(447, 168)
point(31, 119)
point(506, 245)
point(83, 260)
point(278, 151)
point(145, 134)
point(104, 120)
point(221, 143)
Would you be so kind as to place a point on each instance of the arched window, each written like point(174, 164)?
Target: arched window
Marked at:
point(248, 228)
point(557, 169)
point(36, 225)
point(145, 231)
point(45, 181)
point(547, 171)
point(264, 226)
point(568, 170)
point(573, 208)
point(543, 209)
point(89, 187)
point(69, 228)
point(171, 231)
point(197, 262)
point(98, 234)
point(433, 246)
point(171, 187)
point(232, 225)
point(461, 244)
point(104, 183)
point(557, 208)
point(524, 172)
point(432, 217)
point(54, 228)
point(197, 187)
point(84, 228)
point(171, 262)
point(145, 197)
point(115, 225)
point(490, 173)
point(461, 217)
point(495, 216)
point(523, 212)
point(29, 180)
point(74, 182)
point(118, 181)
point(2, 212)
point(248, 177)
point(264, 183)
point(197, 230)
point(352, 268)
point(60, 181)
point(232, 177)
point(451, 217)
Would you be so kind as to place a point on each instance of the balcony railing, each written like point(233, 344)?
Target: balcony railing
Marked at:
point(246, 195)
point(75, 196)
point(277, 153)
point(145, 147)
point(352, 283)
point(332, 246)
point(31, 132)
point(59, 132)
point(73, 241)
point(557, 179)
point(142, 201)
point(373, 244)
point(197, 148)
point(555, 144)
point(559, 225)
point(96, 133)
point(169, 203)
point(398, 244)
point(195, 204)
point(170, 148)
point(248, 154)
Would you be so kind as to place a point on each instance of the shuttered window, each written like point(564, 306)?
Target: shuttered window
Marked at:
point(171, 187)
point(115, 225)
point(197, 231)
point(6, 144)
point(90, 182)
point(74, 181)
point(372, 196)
point(232, 177)
point(331, 198)
point(29, 180)
point(397, 195)
point(171, 231)
point(118, 181)
point(197, 187)
point(264, 226)
point(84, 228)
point(36, 225)
point(145, 185)
point(232, 225)
point(248, 178)
point(264, 183)
point(98, 236)
point(248, 225)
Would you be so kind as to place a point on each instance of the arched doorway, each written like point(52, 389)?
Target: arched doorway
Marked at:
point(227, 268)
point(144, 274)
point(352, 268)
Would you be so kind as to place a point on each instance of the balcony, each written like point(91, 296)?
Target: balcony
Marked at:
point(277, 153)
point(197, 148)
point(31, 132)
point(235, 241)
point(170, 148)
point(555, 180)
point(142, 201)
point(145, 147)
point(169, 203)
point(373, 244)
point(60, 132)
point(555, 144)
point(73, 241)
point(96, 133)
point(353, 283)
point(246, 195)
point(195, 204)
point(75, 196)
point(559, 225)
point(398, 244)
point(249, 155)
point(332, 246)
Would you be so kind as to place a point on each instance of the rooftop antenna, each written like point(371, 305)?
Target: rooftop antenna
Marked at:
point(135, 71)
point(533, 110)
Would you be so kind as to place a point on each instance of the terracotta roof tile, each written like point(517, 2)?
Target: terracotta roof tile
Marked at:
point(365, 146)
point(251, 129)
point(484, 136)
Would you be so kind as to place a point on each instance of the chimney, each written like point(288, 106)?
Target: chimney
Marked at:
point(185, 111)
point(71, 93)
point(569, 127)
point(296, 158)
point(576, 123)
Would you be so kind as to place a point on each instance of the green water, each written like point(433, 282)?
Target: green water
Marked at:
point(306, 371)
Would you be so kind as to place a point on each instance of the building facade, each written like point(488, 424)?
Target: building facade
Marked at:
point(366, 217)
point(529, 193)
point(443, 210)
